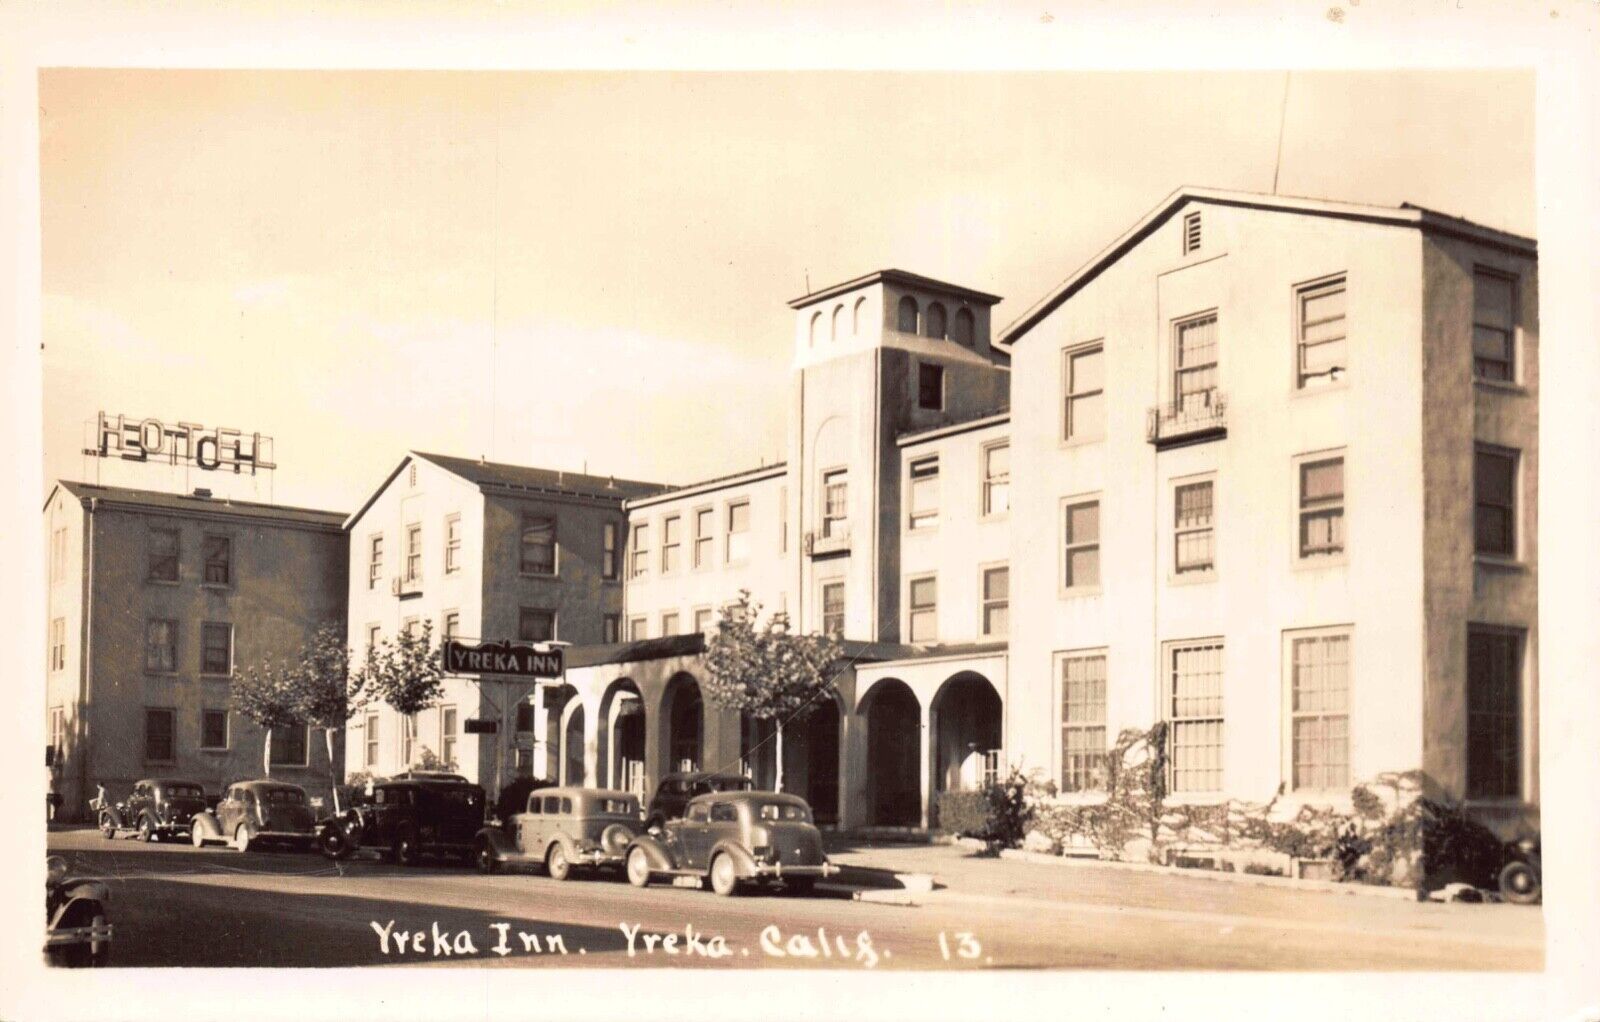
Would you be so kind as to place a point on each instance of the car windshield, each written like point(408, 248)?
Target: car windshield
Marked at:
point(284, 796)
point(784, 811)
point(618, 807)
point(728, 784)
point(184, 791)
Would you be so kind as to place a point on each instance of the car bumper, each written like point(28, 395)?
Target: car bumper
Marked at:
point(284, 835)
point(600, 857)
point(77, 935)
point(779, 871)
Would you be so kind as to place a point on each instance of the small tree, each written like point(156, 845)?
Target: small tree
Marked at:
point(315, 689)
point(270, 696)
point(406, 672)
point(768, 672)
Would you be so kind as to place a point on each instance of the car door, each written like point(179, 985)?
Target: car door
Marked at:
point(694, 834)
point(228, 812)
point(528, 826)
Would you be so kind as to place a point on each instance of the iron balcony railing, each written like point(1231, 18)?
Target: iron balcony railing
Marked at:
point(1190, 419)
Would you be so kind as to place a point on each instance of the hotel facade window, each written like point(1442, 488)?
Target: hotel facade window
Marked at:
point(610, 566)
point(671, 543)
point(371, 737)
point(1494, 326)
point(1193, 688)
point(1083, 722)
point(58, 643)
point(704, 536)
point(1494, 486)
point(934, 322)
point(611, 628)
point(1081, 544)
point(702, 619)
point(834, 322)
point(997, 479)
point(58, 555)
point(216, 648)
point(447, 736)
point(452, 624)
point(906, 317)
point(452, 544)
point(160, 646)
point(669, 623)
point(1194, 547)
point(1320, 349)
point(738, 532)
point(963, 329)
point(58, 729)
point(374, 560)
point(835, 502)
point(638, 629)
point(413, 552)
point(213, 730)
point(160, 742)
point(538, 545)
point(162, 565)
point(535, 624)
point(833, 608)
point(641, 551)
point(924, 493)
point(930, 387)
point(1319, 710)
point(1084, 415)
point(996, 586)
point(1321, 513)
point(923, 608)
point(1494, 713)
point(217, 555)
point(1195, 362)
point(289, 745)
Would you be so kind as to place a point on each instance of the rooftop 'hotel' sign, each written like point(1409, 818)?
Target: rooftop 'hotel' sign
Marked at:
point(182, 443)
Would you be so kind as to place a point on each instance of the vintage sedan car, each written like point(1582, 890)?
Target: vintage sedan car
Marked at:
point(78, 932)
point(731, 837)
point(563, 828)
point(432, 814)
point(253, 813)
point(158, 807)
point(675, 790)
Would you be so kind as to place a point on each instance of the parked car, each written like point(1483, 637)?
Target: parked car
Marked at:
point(729, 837)
point(675, 791)
point(563, 828)
point(1521, 879)
point(158, 808)
point(78, 930)
point(431, 814)
point(253, 813)
point(513, 798)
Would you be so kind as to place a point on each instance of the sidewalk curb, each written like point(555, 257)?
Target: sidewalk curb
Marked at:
point(886, 897)
point(1256, 880)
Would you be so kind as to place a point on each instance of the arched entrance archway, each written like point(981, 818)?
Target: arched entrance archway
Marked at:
point(684, 711)
point(893, 720)
point(556, 700)
point(622, 723)
point(572, 747)
point(810, 756)
point(966, 716)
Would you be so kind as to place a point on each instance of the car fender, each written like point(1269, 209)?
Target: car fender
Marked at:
point(78, 892)
point(660, 859)
point(568, 845)
point(207, 822)
point(743, 861)
point(116, 817)
point(502, 846)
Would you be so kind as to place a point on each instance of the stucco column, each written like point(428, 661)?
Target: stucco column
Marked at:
point(591, 743)
point(929, 719)
point(856, 810)
point(540, 753)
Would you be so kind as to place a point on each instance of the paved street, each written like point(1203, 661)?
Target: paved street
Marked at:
point(176, 905)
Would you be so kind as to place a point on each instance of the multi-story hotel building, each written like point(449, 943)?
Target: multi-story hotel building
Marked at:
point(155, 602)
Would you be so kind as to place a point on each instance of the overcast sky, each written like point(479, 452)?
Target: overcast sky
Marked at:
point(570, 268)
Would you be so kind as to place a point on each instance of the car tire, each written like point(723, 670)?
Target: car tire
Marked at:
point(638, 868)
point(78, 956)
point(1519, 884)
point(197, 835)
point(405, 849)
point(147, 833)
point(483, 853)
point(724, 875)
point(108, 830)
point(242, 838)
point(334, 843)
point(556, 863)
point(800, 886)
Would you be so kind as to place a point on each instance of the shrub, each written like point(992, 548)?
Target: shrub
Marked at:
point(1262, 869)
point(998, 813)
point(965, 813)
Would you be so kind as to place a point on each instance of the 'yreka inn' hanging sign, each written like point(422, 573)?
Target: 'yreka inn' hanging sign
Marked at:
point(518, 659)
point(181, 443)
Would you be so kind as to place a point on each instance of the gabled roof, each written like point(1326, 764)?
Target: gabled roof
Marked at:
point(157, 500)
point(749, 475)
point(1404, 215)
point(895, 277)
point(498, 477)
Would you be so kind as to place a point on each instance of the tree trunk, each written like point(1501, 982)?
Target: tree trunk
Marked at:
point(779, 757)
point(333, 775)
point(266, 754)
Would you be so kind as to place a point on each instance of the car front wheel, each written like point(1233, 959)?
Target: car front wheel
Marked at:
point(724, 876)
point(241, 838)
point(147, 833)
point(484, 854)
point(405, 849)
point(638, 868)
point(108, 830)
point(1518, 884)
point(197, 835)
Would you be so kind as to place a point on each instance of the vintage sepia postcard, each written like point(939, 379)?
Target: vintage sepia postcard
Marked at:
point(916, 523)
